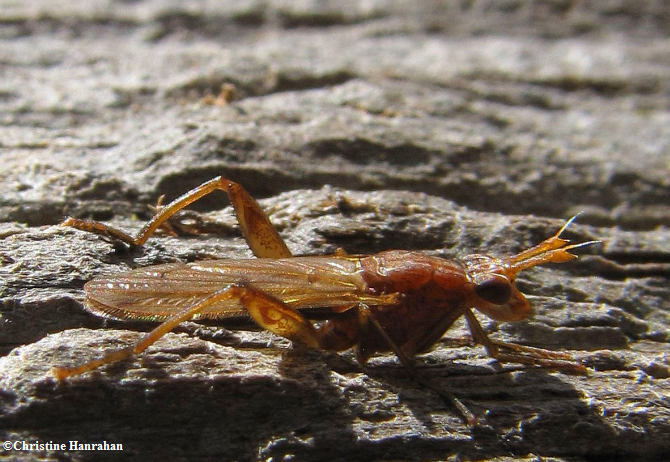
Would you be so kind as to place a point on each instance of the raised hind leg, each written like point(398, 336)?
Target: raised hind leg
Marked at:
point(262, 238)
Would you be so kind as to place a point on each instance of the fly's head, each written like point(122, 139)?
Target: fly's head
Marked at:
point(494, 289)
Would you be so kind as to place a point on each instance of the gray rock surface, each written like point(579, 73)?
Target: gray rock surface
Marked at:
point(450, 127)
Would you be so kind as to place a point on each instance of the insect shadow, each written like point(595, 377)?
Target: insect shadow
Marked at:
point(523, 410)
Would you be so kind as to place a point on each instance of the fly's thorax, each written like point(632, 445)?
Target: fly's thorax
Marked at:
point(493, 289)
point(407, 272)
point(395, 271)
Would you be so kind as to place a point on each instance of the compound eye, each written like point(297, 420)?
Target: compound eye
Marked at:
point(496, 290)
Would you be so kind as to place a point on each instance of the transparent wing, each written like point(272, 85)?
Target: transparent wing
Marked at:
point(156, 292)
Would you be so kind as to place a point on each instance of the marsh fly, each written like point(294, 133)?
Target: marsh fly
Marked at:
point(396, 300)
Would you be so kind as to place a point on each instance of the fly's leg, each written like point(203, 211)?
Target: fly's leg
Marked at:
point(262, 238)
point(417, 344)
point(520, 353)
point(269, 312)
point(63, 372)
point(367, 316)
point(189, 224)
point(276, 316)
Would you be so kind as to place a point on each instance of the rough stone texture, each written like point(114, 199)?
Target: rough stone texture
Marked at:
point(451, 127)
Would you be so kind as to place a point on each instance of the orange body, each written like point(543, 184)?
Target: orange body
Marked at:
point(397, 300)
point(409, 293)
point(414, 297)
